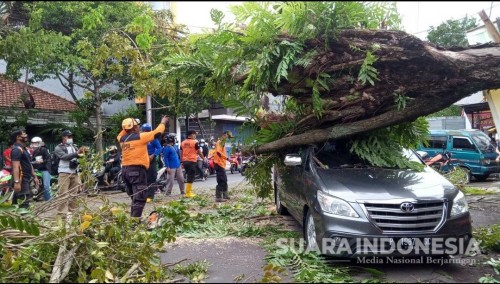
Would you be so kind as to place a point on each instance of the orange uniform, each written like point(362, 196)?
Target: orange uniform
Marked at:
point(189, 148)
point(220, 160)
point(134, 146)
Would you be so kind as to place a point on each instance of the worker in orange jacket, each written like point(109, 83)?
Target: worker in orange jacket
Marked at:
point(135, 160)
point(220, 159)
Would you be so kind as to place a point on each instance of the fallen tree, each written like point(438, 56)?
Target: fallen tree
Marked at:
point(343, 69)
point(429, 78)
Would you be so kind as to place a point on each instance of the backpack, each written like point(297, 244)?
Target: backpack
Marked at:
point(53, 162)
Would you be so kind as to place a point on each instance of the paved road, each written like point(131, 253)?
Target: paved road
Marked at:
point(236, 257)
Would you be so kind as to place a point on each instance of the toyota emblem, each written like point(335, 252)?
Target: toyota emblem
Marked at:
point(407, 207)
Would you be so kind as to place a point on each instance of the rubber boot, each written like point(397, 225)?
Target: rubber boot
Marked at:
point(189, 190)
point(218, 195)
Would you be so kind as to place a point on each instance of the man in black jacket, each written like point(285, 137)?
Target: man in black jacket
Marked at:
point(39, 159)
point(22, 170)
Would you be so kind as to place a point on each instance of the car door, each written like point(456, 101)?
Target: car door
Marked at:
point(465, 152)
point(291, 179)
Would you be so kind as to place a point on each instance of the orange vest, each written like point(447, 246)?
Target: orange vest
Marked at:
point(220, 160)
point(134, 146)
point(189, 151)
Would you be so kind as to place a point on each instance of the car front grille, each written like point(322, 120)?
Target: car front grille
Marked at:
point(426, 216)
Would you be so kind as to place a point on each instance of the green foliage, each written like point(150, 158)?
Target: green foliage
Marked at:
point(367, 71)
point(495, 264)
point(489, 237)
point(458, 177)
point(109, 242)
point(452, 110)
point(467, 190)
point(384, 147)
point(452, 32)
point(195, 271)
point(20, 117)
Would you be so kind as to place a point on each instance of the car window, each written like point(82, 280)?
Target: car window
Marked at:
point(437, 142)
point(337, 155)
point(483, 142)
point(462, 143)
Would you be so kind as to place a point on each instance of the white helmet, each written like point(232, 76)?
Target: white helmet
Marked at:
point(202, 141)
point(36, 141)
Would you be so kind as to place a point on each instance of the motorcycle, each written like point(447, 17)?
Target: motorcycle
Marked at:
point(6, 183)
point(37, 192)
point(234, 160)
point(205, 169)
point(248, 162)
point(115, 183)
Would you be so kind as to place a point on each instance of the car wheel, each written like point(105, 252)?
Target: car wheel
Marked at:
point(310, 232)
point(280, 209)
point(481, 177)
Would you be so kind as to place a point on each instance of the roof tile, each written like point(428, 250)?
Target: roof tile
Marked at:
point(10, 92)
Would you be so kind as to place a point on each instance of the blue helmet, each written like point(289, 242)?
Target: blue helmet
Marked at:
point(146, 127)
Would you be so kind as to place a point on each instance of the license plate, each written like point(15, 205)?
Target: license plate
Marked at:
point(411, 241)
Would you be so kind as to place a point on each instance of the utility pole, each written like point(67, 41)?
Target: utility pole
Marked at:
point(492, 96)
point(490, 28)
point(149, 115)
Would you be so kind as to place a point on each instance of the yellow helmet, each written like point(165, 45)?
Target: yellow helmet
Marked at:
point(129, 123)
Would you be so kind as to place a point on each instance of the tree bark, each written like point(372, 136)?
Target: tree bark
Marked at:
point(428, 77)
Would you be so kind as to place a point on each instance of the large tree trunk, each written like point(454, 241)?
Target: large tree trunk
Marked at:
point(431, 78)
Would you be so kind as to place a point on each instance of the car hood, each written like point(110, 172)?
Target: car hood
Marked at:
point(384, 184)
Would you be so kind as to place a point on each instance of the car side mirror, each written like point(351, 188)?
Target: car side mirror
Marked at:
point(293, 160)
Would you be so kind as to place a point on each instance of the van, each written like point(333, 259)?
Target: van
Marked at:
point(472, 150)
point(349, 207)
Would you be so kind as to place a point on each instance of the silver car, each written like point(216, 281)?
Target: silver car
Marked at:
point(350, 208)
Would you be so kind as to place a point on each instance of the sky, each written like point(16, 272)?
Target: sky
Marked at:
point(417, 16)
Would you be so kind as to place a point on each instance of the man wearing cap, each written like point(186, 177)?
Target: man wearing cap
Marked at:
point(135, 160)
point(68, 180)
point(22, 170)
point(190, 150)
point(154, 150)
point(220, 158)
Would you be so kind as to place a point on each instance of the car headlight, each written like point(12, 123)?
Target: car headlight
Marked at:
point(459, 205)
point(335, 206)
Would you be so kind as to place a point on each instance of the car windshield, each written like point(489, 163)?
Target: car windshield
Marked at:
point(483, 142)
point(337, 156)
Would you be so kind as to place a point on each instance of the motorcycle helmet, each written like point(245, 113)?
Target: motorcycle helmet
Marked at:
point(171, 139)
point(36, 142)
point(146, 127)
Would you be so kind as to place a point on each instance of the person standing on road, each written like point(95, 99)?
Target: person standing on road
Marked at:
point(40, 158)
point(154, 150)
point(136, 161)
point(22, 169)
point(173, 165)
point(68, 180)
point(190, 149)
point(220, 158)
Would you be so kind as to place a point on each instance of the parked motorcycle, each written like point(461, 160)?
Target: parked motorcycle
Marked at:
point(248, 162)
point(5, 183)
point(205, 169)
point(116, 183)
point(234, 160)
point(38, 191)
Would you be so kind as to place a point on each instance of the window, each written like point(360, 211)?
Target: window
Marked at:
point(462, 143)
point(437, 142)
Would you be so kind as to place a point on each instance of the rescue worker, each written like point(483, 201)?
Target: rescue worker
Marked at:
point(154, 150)
point(135, 160)
point(220, 159)
point(190, 149)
